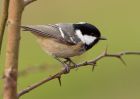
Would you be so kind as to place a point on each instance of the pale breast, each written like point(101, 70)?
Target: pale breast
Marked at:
point(52, 47)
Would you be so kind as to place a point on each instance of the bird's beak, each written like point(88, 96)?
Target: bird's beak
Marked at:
point(102, 38)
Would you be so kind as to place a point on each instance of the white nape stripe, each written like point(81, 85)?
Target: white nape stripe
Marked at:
point(79, 34)
point(62, 34)
point(89, 39)
point(82, 22)
point(85, 38)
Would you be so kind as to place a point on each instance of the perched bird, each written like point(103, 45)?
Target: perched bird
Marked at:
point(65, 40)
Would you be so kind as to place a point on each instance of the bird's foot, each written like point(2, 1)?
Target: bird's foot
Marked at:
point(71, 62)
point(66, 68)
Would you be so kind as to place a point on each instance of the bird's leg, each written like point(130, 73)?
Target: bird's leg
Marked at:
point(71, 62)
point(66, 66)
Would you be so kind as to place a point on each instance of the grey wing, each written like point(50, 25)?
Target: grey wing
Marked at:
point(62, 32)
point(69, 33)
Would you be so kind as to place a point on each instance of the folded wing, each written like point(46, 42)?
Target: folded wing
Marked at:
point(61, 32)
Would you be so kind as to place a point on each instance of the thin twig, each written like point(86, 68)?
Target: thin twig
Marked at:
point(87, 63)
point(4, 16)
point(27, 2)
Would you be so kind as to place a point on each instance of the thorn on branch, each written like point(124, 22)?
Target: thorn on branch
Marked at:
point(93, 67)
point(59, 79)
point(122, 60)
point(105, 52)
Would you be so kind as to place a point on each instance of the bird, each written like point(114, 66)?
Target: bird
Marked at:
point(65, 40)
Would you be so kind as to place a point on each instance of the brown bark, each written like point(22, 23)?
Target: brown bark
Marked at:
point(11, 63)
point(4, 17)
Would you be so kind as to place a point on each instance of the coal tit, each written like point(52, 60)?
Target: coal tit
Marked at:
point(65, 40)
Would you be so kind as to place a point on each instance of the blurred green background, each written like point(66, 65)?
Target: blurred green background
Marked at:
point(118, 20)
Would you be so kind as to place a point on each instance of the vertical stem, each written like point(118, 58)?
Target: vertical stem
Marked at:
point(4, 17)
point(12, 50)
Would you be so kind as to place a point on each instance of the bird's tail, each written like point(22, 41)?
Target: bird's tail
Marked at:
point(31, 29)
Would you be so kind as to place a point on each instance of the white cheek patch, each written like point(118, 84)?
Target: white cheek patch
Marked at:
point(85, 38)
point(89, 39)
point(79, 34)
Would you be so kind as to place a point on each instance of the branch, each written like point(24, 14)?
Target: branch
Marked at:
point(12, 49)
point(87, 63)
point(3, 20)
point(27, 2)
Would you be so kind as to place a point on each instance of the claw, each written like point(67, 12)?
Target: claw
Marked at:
point(71, 62)
point(67, 68)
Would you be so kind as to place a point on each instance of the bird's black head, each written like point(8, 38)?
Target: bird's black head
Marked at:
point(90, 34)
